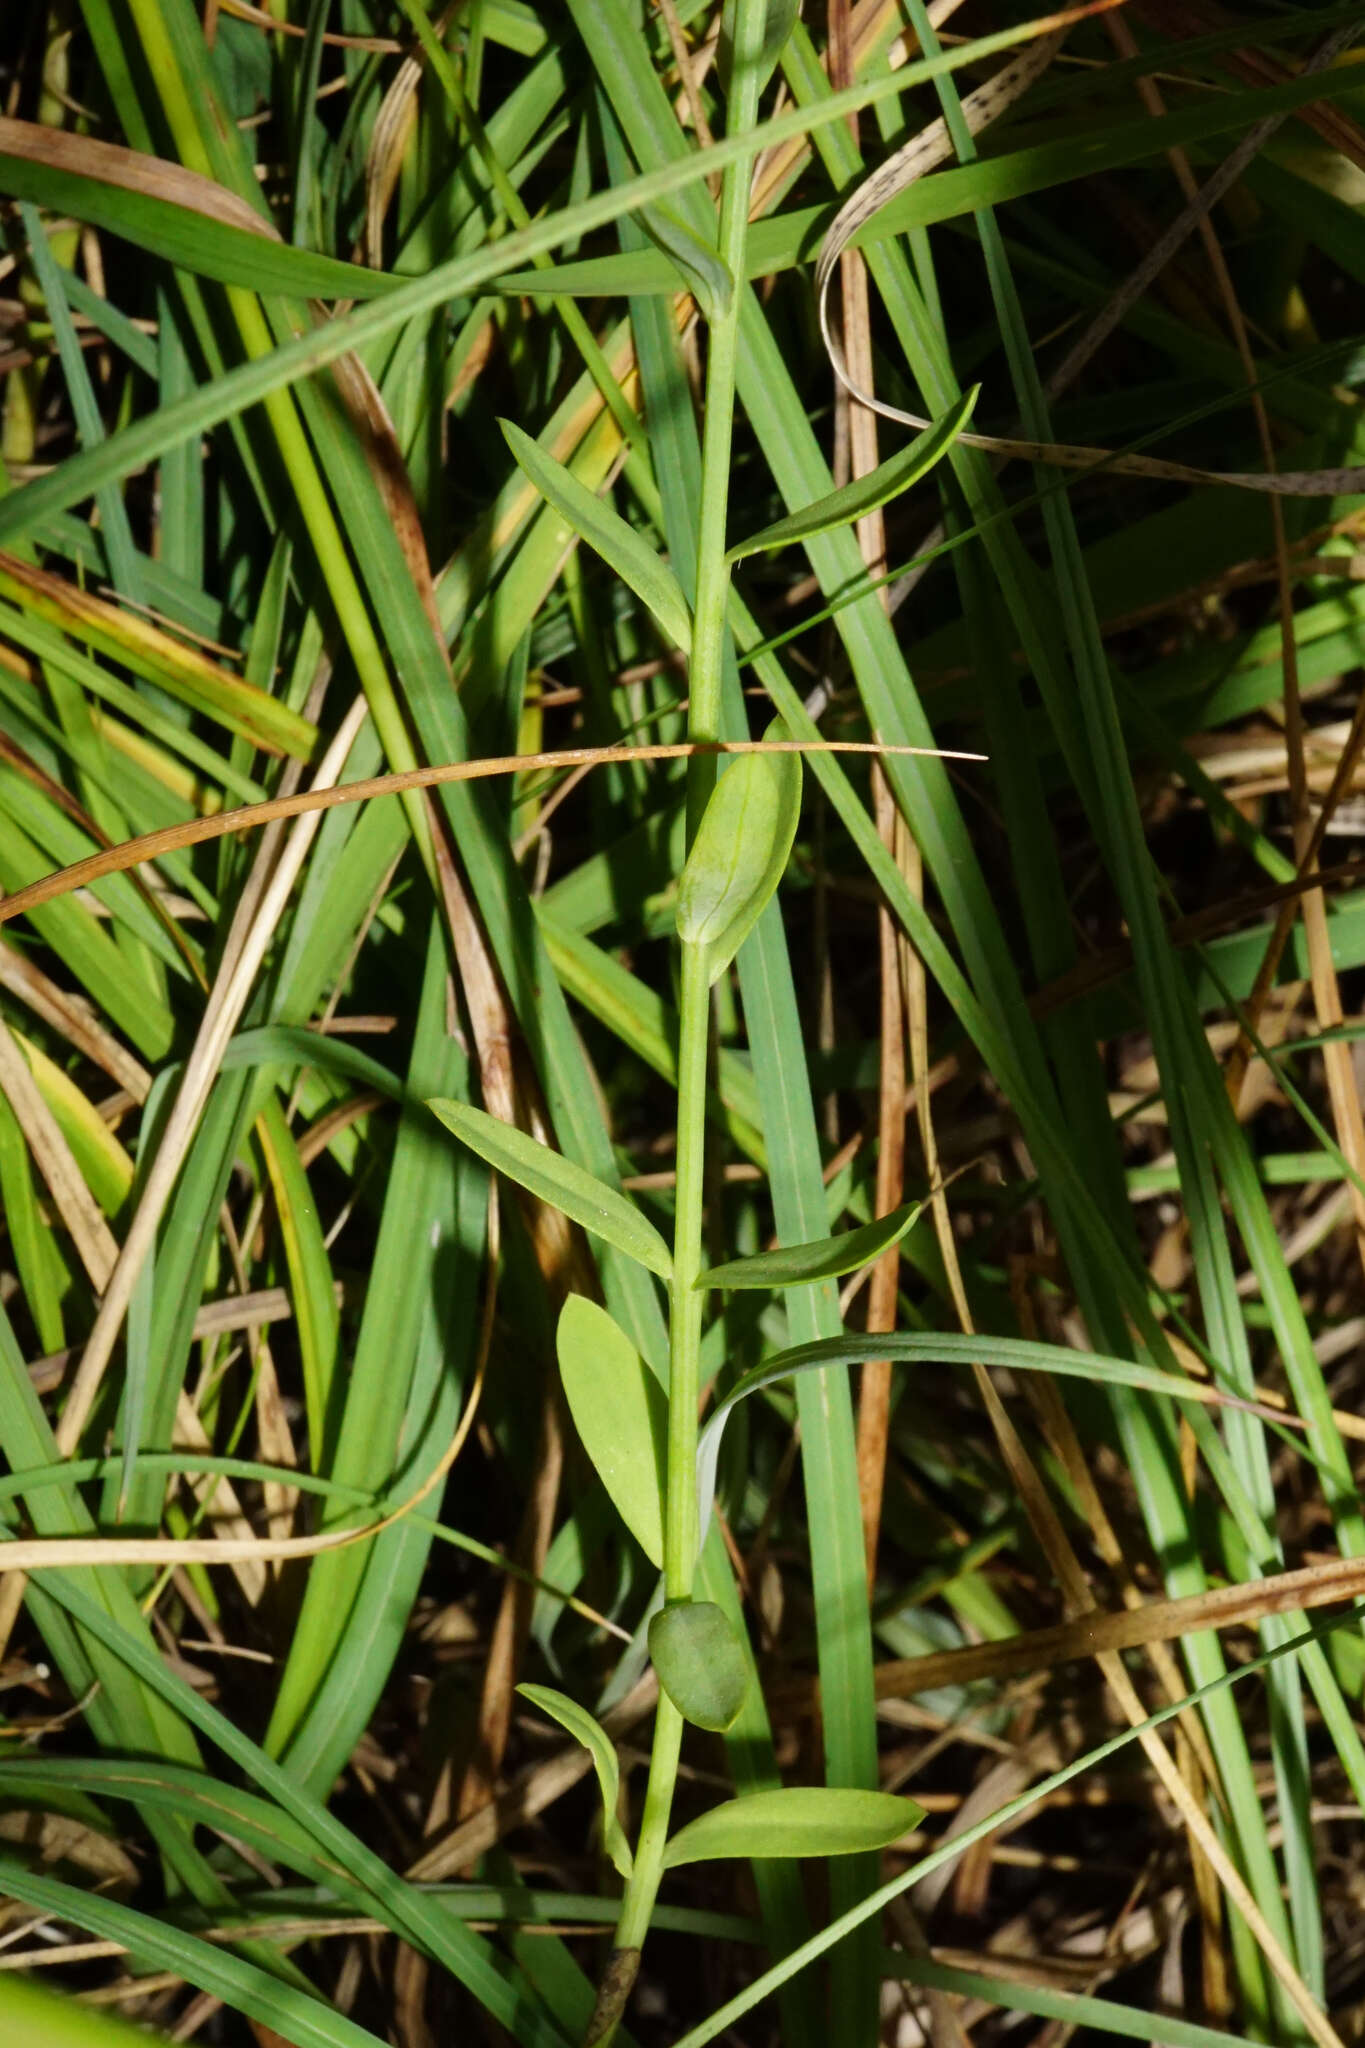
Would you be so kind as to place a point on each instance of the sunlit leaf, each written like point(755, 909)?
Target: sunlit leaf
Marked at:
point(740, 852)
point(798, 1820)
point(598, 1744)
point(552, 1178)
point(621, 1413)
point(866, 493)
point(801, 1265)
point(619, 545)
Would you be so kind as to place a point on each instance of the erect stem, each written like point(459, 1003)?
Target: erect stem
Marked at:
point(703, 723)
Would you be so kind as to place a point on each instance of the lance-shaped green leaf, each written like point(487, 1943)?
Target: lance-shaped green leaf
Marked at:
point(740, 852)
point(594, 1738)
point(619, 545)
point(801, 1265)
point(700, 1663)
point(698, 261)
point(865, 493)
point(552, 1178)
point(621, 1413)
point(815, 1820)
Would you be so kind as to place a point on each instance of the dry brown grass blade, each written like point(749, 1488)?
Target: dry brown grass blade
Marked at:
point(1343, 1091)
point(1160, 1621)
point(131, 170)
point(874, 1392)
point(196, 831)
point(30, 1554)
point(1181, 18)
point(224, 1008)
point(73, 1019)
point(389, 138)
point(259, 17)
point(65, 802)
point(217, 1497)
point(56, 1163)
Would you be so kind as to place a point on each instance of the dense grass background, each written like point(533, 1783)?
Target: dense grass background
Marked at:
point(249, 1288)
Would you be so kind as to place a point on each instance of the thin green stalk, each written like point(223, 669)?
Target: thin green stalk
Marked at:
point(688, 1300)
point(680, 1518)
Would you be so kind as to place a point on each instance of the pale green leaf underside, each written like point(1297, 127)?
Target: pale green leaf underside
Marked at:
point(801, 1265)
point(816, 1820)
point(621, 1414)
point(700, 1663)
point(594, 1738)
point(866, 493)
point(552, 1178)
point(607, 533)
point(740, 853)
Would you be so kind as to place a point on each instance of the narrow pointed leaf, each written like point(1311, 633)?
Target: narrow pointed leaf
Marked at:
point(551, 1177)
point(598, 1744)
point(740, 852)
point(605, 531)
point(698, 262)
point(816, 1820)
point(929, 1347)
point(801, 1265)
point(866, 493)
point(621, 1413)
point(701, 1665)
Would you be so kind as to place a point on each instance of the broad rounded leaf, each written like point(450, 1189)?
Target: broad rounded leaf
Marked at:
point(740, 852)
point(825, 1258)
point(594, 1738)
point(619, 545)
point(551, 1177)
point(700, 1662)
point(621, 1413)
point(818, 1820)
point(865, 493)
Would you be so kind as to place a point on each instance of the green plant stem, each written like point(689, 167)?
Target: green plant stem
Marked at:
point(688, 1300)
point(633, 1924)
point(680, 1512)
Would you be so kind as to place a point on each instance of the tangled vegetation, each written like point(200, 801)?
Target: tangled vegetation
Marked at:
point(683, 1179)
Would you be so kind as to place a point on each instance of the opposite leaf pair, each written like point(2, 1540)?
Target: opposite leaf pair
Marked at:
point(788, 1821)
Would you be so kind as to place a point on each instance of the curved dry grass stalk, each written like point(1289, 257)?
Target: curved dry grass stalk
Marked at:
point(152, 845)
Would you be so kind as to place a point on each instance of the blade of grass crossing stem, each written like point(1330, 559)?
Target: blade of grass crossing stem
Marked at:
point(647, 1024)
point(1188, 1071)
